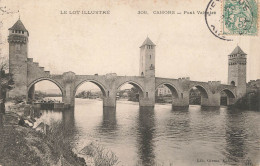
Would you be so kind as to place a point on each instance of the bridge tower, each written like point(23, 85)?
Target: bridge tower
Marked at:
point(147, 59)
point(147, 70)
point(18, 50)
point(237, 70)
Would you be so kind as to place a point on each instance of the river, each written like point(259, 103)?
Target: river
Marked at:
point(196, 136)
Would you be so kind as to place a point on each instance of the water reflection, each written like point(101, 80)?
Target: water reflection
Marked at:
point(146, 134)
point(109, 122)
point(212, 109)
point(60, 121)
point(68, 123)
point(235, 137)
point(178, 125)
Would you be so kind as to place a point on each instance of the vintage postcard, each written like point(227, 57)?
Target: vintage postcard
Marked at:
point(129, 82)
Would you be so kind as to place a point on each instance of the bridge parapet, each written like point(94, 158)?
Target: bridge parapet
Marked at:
point(184, 79)
point(229, 87)
point(36, 64)
point(34, 71)
point(29, 59)
point(214, 82)
point(47, 72)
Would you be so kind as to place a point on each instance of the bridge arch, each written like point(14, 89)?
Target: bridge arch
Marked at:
point(135, 84)
point(229, 93)
point(43, 79)
point(202, 90)
point(228, 98)
point(101, 86)
point(172, 88)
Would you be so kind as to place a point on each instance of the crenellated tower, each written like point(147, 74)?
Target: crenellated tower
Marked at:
point(18, 53)
point(147, 59)
point(237, 70)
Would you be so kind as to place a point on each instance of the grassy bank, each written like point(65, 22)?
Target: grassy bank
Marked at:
point(20, 145)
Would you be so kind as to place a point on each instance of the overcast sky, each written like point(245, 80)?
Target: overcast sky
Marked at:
point(89, 44)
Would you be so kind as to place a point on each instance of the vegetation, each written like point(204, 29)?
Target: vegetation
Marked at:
point(21, 145)
point(195, 100)
point(40, 95)
point(6, 83)
point(100, 155)
point(195, 97)
point(133, 94)
point(88, 95)
point(84, 94)
point(62, 149)
point(249, 102)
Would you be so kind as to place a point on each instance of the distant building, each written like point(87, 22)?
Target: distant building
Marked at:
point(123, 93)
point(163, 91)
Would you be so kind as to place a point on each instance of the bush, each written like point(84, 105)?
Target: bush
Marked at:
point(249, 101)
point(19, 99)
point(101, 156)
point(61, 148)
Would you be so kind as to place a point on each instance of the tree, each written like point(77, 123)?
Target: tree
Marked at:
point(6, 83)
point(133, 94)
point(84, 94)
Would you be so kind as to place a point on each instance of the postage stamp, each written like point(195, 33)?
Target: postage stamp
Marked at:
point(240, 17)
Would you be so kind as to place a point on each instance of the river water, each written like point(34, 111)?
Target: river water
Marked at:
point(163, 136)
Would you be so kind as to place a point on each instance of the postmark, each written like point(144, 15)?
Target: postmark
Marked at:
point(240, 17)
point(214, 22)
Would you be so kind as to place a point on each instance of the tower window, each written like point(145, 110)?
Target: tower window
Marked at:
point(233, 83)
point(15, 31)
point(12, 31)
point(151, 67)
point(22, 32)
point(146, 94)
point(108, 93)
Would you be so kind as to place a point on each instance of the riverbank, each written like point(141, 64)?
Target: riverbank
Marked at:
point(24, 145)
point(251, 101)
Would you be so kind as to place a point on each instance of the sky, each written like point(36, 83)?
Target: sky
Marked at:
point(89, 44)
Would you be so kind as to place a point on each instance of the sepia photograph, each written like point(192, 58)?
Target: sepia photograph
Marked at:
point(129, 83)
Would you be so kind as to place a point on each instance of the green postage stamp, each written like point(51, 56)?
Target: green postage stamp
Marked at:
point(240, 17)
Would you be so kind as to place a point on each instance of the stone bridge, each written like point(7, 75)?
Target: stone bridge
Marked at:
point(27, 73)
point(109, 84)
